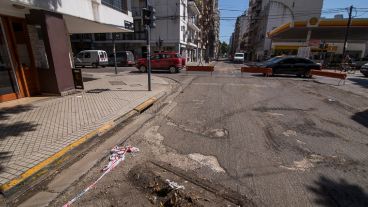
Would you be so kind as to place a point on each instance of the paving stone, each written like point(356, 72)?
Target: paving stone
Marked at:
point(33, 132)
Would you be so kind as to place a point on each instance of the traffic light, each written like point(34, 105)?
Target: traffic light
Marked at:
point(148, 16)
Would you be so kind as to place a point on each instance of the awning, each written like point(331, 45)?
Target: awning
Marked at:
point(328, 30)
point(76, 25)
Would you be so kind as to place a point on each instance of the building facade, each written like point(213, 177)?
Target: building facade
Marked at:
point(266, 15)
point(176, 30)
point(35, 55)
point(238, 42)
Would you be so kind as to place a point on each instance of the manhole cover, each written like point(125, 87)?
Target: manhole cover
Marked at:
point(117, 83)
point(99, 90)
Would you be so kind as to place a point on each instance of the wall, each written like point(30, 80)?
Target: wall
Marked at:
point(168, 24)
point(81, 8)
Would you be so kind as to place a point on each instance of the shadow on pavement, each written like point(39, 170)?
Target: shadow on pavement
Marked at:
point(338, 193)
point(361, 118)
point(360, 81)
point(13, 129)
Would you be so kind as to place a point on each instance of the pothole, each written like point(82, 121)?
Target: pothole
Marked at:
point(289, 133)
point(208, 161)
point(217, 133)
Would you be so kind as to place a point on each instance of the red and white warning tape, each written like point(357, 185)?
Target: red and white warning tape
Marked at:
point(116, 157)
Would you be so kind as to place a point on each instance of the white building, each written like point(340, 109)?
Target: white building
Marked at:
point(35, 55)
point(176, 30)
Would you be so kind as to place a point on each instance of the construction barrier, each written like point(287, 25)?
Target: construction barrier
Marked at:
point(265, 71)
point(201, 68)
point(339, 75)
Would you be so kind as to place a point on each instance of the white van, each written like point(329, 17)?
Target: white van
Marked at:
point(92, 58)
point(239, 57)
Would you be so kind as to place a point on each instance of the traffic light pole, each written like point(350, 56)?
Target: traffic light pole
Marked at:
point(148, 52)
point(149, 56)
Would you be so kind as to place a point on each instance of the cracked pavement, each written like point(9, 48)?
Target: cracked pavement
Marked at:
point(275, 141)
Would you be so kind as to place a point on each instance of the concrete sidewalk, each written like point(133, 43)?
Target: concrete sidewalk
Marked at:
point(37, 131)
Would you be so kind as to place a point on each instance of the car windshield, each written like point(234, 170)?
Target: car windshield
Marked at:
point(239, 55)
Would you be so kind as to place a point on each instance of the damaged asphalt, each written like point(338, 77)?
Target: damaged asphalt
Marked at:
point(247, 141)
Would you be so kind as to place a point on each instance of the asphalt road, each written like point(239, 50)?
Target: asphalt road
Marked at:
point(277, 141)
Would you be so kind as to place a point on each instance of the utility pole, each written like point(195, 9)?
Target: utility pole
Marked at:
point(115, 64)
point(347, 31)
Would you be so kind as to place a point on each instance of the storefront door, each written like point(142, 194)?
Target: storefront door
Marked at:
point(18, 76)
point(8, 86)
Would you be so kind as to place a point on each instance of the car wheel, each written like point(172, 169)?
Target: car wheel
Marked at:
point(94, 65)
point(172, 69)
point(143, 69)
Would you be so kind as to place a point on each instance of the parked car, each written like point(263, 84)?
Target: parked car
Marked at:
point(123, 58)
point(92, 58)
point(364, 70)
point(171, 61)
point(239, 57)
point(290, 65)
point(360, 62)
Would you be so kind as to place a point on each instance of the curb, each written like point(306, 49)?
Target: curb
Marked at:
point(41, 168)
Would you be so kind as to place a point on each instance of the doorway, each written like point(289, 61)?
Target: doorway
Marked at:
point(18, 75)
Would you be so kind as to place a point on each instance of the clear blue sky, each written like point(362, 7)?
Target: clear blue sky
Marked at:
point(234, 8)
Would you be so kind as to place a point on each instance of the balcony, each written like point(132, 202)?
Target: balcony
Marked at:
point(192, 24)
point(192, 5)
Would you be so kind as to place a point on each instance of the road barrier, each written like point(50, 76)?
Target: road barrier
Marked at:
point(201, 68)
point(264, 71)
point(339, 75)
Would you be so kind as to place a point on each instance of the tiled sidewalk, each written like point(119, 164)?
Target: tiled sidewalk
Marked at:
point(32, 132)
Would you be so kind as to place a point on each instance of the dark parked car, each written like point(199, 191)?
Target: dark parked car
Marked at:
point(364, 70)
point(171, 61)
point(123, 58)
point(291, 65)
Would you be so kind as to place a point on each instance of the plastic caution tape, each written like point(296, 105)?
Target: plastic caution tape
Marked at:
point(116, 157)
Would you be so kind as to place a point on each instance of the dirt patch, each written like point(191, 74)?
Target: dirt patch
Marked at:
point(157, 183)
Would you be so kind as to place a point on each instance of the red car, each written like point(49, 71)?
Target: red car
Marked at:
point(171, 61)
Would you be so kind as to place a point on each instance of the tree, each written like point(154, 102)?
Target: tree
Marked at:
point(224, 48)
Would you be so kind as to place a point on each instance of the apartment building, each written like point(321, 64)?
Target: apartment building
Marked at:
point(35, 55)
point(266, 15)
point(176, 30)
point(238, 39)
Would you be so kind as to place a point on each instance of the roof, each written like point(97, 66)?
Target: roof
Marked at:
point(324, 29)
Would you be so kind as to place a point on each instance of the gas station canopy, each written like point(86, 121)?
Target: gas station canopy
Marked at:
point(325, 29)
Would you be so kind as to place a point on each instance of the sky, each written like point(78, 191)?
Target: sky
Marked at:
point(234, 8)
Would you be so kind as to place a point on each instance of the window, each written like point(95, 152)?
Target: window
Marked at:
point(80, 55)
point(87, 55)
point(288, 61)
point(120, 5)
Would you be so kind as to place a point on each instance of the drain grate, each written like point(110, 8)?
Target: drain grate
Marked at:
point(117, 83)
point(99, 90)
